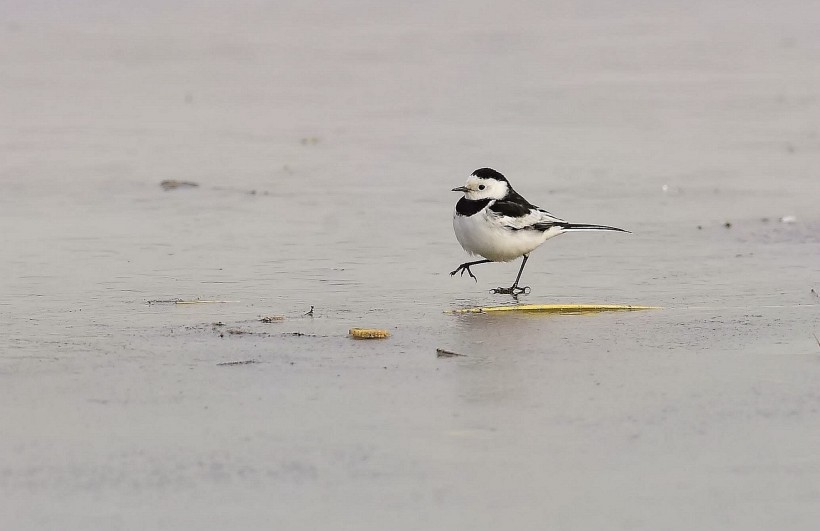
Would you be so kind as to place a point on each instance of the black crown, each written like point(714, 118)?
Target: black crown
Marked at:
point(489, 173)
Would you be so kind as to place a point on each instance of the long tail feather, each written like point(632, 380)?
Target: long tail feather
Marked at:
point(586, 226)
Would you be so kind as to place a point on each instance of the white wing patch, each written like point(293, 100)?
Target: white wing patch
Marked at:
point(528, 221)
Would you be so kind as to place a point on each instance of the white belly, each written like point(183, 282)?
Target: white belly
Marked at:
point(482, 235)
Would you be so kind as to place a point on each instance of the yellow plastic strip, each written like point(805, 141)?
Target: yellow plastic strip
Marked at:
point(556, 308)
point(368, 333)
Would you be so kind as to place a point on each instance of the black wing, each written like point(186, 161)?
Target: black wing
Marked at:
point(510, 208)
point(516, 216)
point(514, 205)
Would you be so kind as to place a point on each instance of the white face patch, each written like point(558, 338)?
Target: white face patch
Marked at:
point(478, 188)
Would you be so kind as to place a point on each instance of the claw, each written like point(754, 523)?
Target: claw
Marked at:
point(462, 268)
point(466, 267)
point(470, 273)
point(513, 290)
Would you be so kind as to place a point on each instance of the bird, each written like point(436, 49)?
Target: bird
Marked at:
point(494, 221)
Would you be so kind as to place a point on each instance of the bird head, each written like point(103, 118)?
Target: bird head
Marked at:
point(485, 183)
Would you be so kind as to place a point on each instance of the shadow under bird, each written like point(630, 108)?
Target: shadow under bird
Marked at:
point(494, 221)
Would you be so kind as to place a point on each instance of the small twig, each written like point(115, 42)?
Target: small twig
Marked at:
point(197, 301)
point(164, 301)
point(309, 313)
point(243, 362)
point(441, 353)
point(173, 184)
point(817, 339)
point(180, 301)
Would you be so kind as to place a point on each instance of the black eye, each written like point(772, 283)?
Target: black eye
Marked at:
point(481, 187)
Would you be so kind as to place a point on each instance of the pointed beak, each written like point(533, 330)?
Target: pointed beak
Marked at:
point(461, 189)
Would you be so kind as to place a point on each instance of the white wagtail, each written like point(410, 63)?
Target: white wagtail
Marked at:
point(492, 220)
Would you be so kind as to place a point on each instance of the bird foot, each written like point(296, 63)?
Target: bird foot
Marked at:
point(513, 290)
point(463, 268)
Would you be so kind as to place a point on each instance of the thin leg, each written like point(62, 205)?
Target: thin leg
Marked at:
point(523, 263)
point(466, 267)
point(514, 289)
